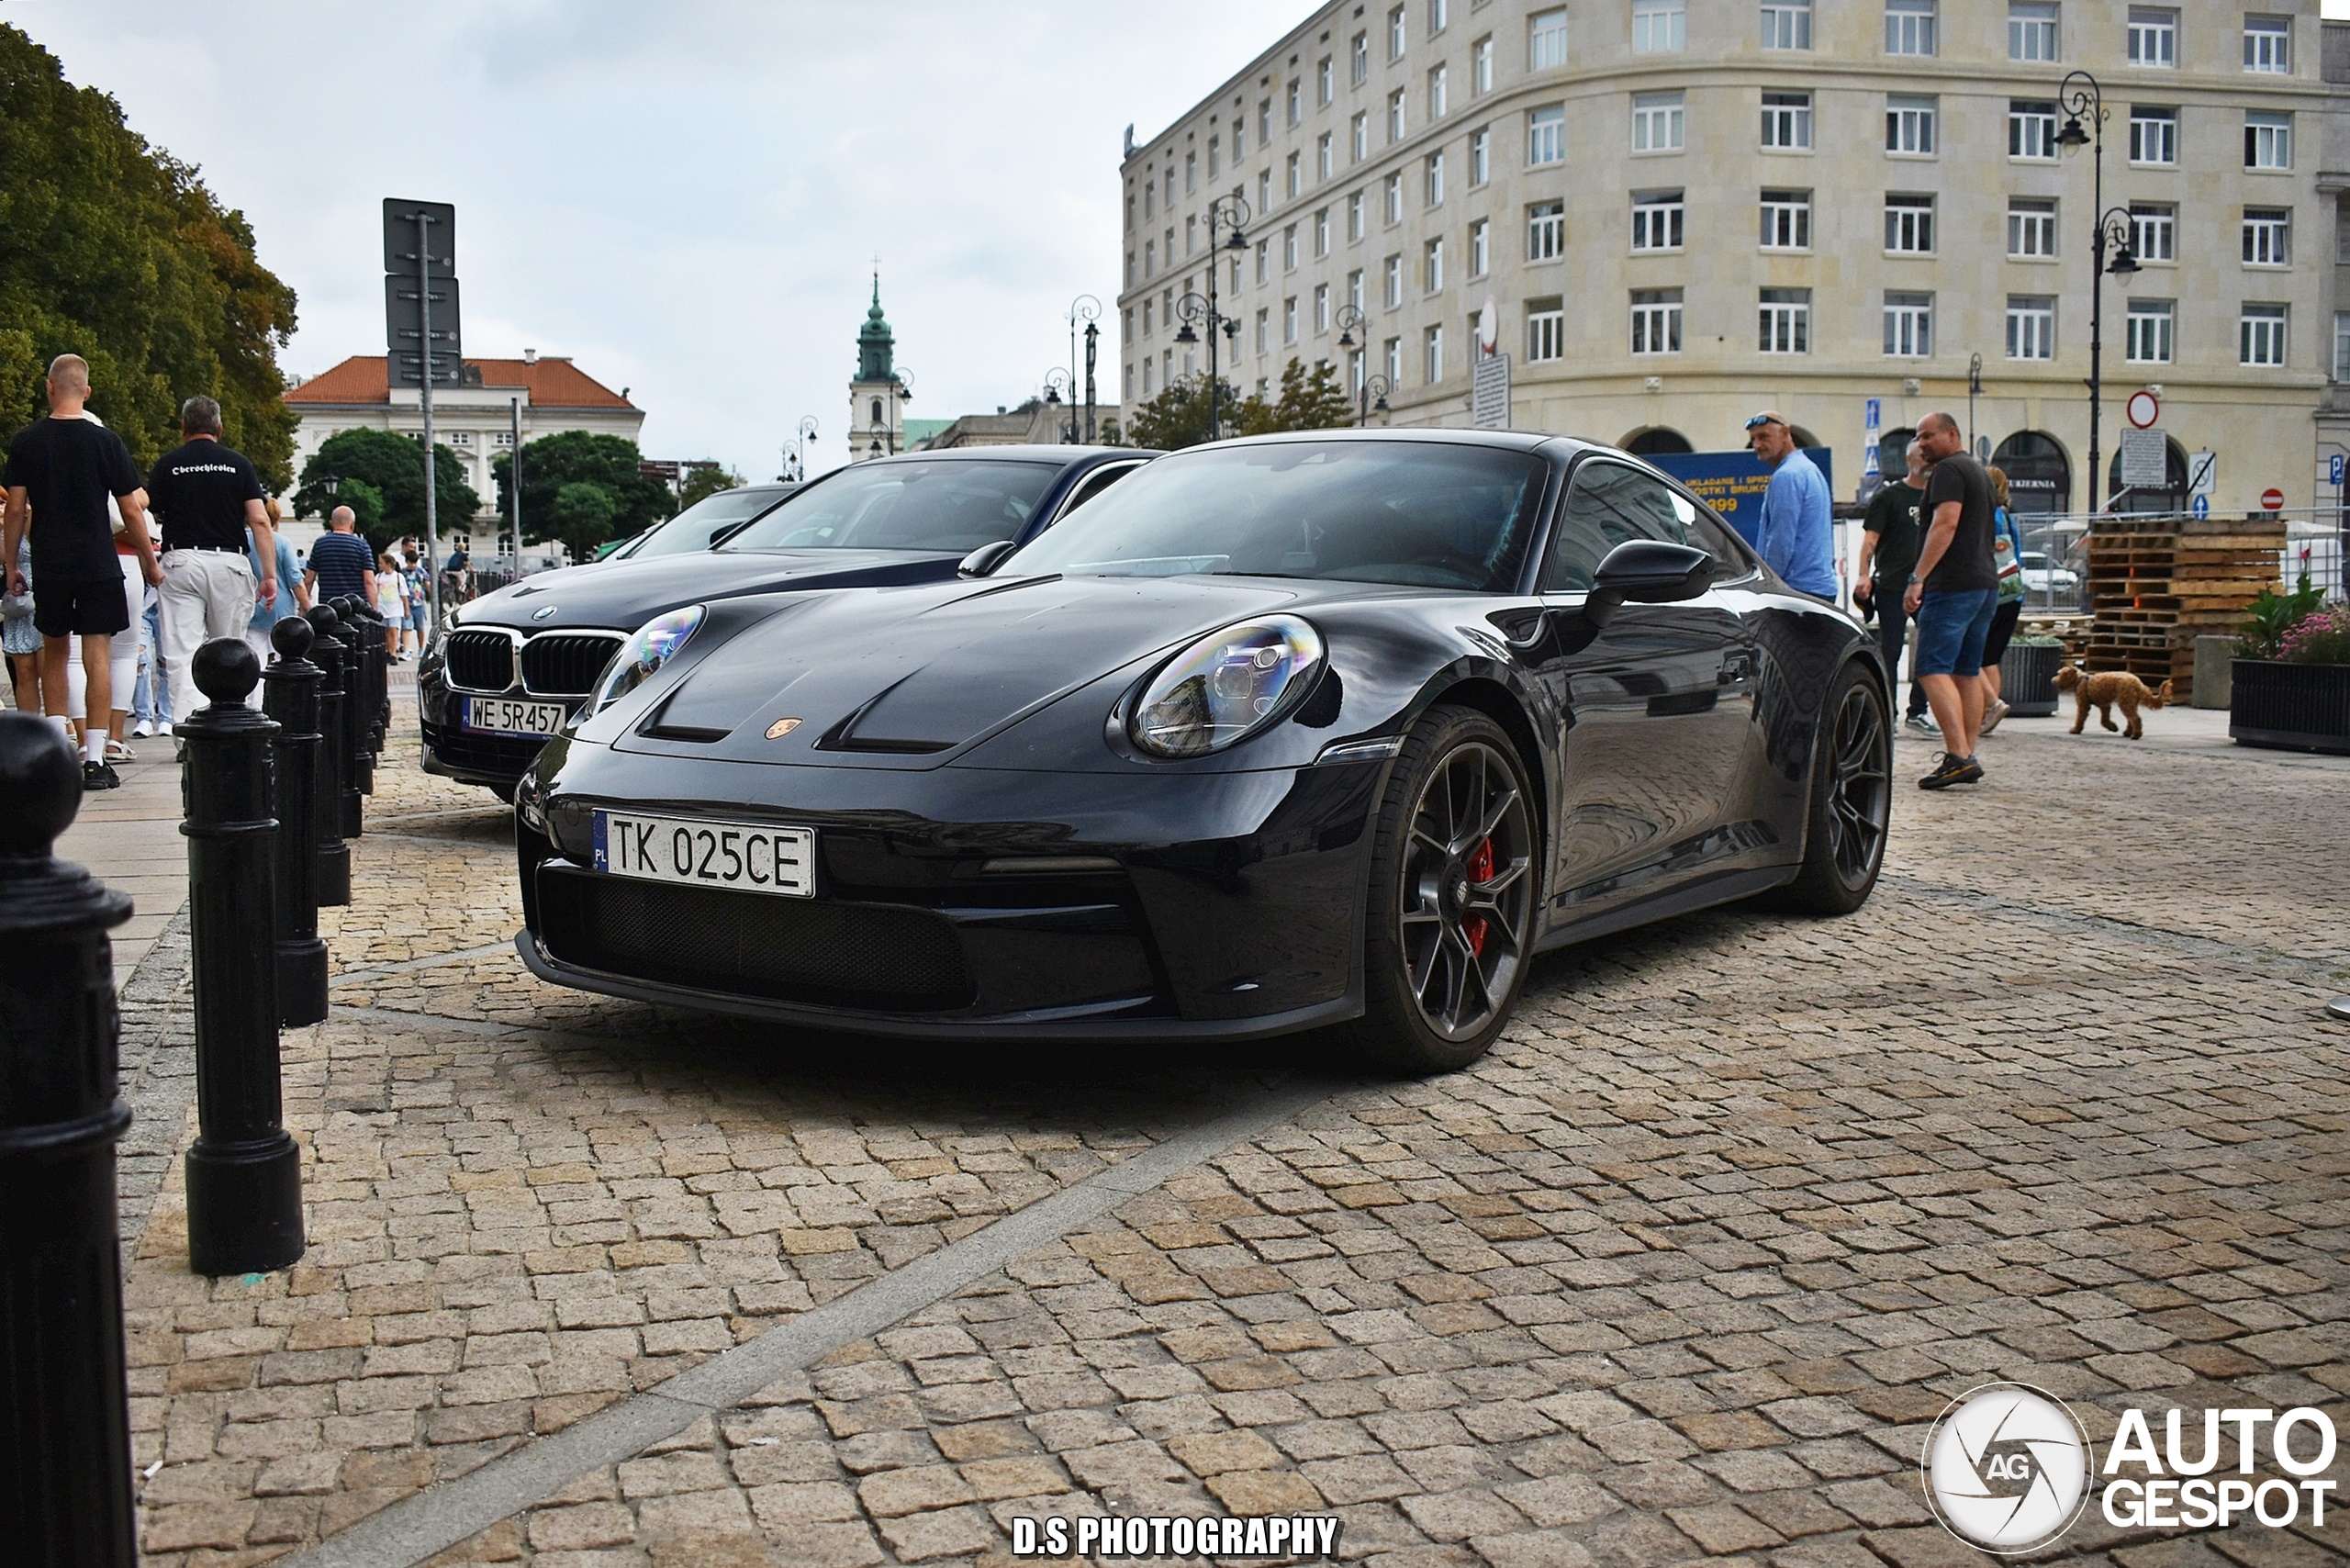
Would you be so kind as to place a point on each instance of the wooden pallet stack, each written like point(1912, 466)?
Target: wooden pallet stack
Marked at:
point(2156, 586)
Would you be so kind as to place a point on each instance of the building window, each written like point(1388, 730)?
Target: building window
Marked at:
point(1545, 136)
point(1264, 330)
point(2032, 227)
point(1432, 270)
point(2154, 36)
point(1481, 146)
point(1656, 122)
point(1215, 159)
point(1910, 27)
point(1786, 24)
point(1395, 115)
point(2341, 347)
point(1432, 178)
point(502, 438)
point(1394, 282)
point(1659, 24)
point(1396, 198)
point(1239, 149)
point(1322, 232)
point(1439, 15)
point(2267, 236)
point(1438, 102)
point(1432, 342)
point(1546, 329)
point(1293, 176)
point(2154, 136)
point(2031, 31)
point(1359, 136)
point(1657, 220)
point(1294, 101)
point(1785, 321)
point(1909, 225)
point(461, 438)
point(1264, 121)
point(1909, 125)
point(1656, 320)
point(1358, 59)
point(1546, 40)
point(1146, 368)
point(2267, 142)
point(1481, 258)
point(1264, 259)
point(1545, 231)
point(1190, 235)
point(1393, 354)
point(1325, 79)
point(1289, 319)
point(1786, 220)
point(2031, 326)
point(2149, 338)
point(1322, 157)
point(1396, 33)
point(1354, 217)
point(1264, 190)
point(1354, 288)
point(1481, 66)
point(1787, 119)
point(1289, 248)
point(1149, 258)
point(2262, 335)
point(1909, 325)
point(1190, 172)
point(2269, 44)
point(2032, 129)
point(2153, 231)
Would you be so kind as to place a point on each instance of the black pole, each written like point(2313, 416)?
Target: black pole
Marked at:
point(334, 855)
point(292, 699)
point(346, 738)
point(65, 1437)
point(244, 1173)
point(1216, 428)
point(1092, 342)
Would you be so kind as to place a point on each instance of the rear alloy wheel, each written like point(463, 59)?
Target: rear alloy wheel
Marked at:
point(1852, 800)
point(1451, 907)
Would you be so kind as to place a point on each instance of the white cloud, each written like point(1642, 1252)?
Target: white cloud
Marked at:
point(683, 196)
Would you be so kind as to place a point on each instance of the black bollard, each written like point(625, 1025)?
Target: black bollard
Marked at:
point(244, 1173)
point(293, 700)
point(65, 1437)
point(359, 636)
point(326, 810)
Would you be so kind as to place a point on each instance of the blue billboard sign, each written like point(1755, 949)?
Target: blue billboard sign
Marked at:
point(1732, 482)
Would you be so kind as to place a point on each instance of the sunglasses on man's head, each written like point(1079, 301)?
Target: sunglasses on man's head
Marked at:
point(1759, 420)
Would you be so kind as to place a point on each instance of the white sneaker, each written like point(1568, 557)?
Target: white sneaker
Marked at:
point(162, 726)
point(142, 729)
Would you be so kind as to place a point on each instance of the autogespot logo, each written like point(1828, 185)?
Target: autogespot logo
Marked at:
point(2008, 1467)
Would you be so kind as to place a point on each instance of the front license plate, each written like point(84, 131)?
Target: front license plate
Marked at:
point(707, 854)
point(505, 716)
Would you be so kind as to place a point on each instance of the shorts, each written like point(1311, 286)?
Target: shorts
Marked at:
point(417, 613)
point(92, 607)
point(2003, 626)
point(1952, 625)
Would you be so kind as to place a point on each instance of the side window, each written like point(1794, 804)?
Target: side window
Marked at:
point(1093, 484)
point(1606, 505)
point(1733, 560)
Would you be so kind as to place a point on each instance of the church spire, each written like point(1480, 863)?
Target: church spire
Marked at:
point(876, 345)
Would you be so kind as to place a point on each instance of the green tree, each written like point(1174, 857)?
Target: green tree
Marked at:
point(1309, 401)
point(579, 458)
point(581, 516)
point(705, 479)
point(1177, 416)
point(116, 252)
point(393, 466)
point(367, 504)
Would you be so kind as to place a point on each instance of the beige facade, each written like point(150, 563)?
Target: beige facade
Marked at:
point(1677, 225)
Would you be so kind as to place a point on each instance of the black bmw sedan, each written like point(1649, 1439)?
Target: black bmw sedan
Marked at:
point(515, 665)
point(1339, 728)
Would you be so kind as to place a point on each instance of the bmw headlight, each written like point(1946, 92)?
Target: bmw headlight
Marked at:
point(654, 645)
point(1226, 687)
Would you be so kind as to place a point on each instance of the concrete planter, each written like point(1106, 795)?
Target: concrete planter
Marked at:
point(2291, 707)
point(2028, 678)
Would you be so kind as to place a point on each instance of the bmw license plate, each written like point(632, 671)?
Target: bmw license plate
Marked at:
point(698, 852)
point(508, 716)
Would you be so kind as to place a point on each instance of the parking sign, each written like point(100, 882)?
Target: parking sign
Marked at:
point(2334, 470)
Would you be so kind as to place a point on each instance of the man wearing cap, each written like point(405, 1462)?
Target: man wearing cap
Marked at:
point(1796, 538)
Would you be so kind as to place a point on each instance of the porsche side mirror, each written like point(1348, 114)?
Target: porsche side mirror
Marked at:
point(984, 559)
point(720, 536)
point(1647, 571)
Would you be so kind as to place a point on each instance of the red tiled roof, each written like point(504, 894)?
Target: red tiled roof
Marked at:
point(552, 383)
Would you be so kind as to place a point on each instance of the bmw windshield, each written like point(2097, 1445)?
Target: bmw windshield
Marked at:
point(691, 529)
point(1421, 514)
point(945, 506)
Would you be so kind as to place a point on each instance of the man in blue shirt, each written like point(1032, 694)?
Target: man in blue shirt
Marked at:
point(340, 562)
point(1797, 538)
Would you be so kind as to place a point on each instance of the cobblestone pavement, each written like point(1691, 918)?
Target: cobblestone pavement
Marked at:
point(1678, 1273)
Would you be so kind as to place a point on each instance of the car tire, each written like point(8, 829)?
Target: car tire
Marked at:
point(1851, 799)
point(1455, 877)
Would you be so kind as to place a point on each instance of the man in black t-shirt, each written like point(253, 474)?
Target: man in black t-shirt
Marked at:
point(61, 473)
point(1889, 555)
point(207, 496)
point(1954, 593)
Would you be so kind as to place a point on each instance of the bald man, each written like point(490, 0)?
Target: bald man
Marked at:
point(342, 562)
point(1954, 593)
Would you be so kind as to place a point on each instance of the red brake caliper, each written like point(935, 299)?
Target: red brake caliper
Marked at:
point(1481, 871)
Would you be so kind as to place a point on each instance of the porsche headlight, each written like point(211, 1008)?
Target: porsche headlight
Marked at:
point(1226, 687)
point(653, 646)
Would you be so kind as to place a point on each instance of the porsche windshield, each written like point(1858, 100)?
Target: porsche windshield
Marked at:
point(1421, 514)
point(945, 506)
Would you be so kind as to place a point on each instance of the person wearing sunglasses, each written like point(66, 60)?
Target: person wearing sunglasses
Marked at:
point(1797, 538)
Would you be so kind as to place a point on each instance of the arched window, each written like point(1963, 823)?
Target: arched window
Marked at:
point(2040, 477)
point(2170, 497)
point(876, 420)
point(1657, 440)
point(1893, 454)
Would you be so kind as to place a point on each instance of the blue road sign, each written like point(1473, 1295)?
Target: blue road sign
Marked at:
point(2334, 470)
point(1874, 419)
point(2204, 506)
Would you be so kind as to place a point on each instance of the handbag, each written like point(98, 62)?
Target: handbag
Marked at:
point(2003, 556)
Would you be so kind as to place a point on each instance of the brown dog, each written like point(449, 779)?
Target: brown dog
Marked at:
point(2102, 691)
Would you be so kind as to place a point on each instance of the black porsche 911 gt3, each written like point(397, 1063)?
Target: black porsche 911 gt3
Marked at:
point(1336, 728)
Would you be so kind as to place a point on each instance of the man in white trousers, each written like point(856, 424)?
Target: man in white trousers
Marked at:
point(207, 496)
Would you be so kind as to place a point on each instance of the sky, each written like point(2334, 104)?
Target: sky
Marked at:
point(685, 197)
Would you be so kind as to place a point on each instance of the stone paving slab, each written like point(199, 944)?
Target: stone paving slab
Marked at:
point(1678, 1273)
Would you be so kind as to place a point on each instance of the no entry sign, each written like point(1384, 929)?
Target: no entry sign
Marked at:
point(2272, 499)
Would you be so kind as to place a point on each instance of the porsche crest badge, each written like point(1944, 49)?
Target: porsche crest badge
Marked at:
point(781, 728)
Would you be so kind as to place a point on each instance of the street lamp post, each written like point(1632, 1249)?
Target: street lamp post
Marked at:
point(1973, 391)
point(1195, 311)
point(2112, 231)
point(1373, 399)
point(1058, 382)
point(1083, 311)
point(1092, 345)
point(806, 439)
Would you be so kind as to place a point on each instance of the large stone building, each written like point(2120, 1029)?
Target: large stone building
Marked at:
point(1684, 211)
point(475, 420)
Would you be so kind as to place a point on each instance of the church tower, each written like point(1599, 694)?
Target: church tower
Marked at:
point(875, 420)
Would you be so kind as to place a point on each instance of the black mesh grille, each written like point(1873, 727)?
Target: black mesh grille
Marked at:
point(481, 661)
point(563, 665)
point(501, 755)
point(842, 955)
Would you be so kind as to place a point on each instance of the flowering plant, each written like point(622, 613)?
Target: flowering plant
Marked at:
point(2323, 638)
